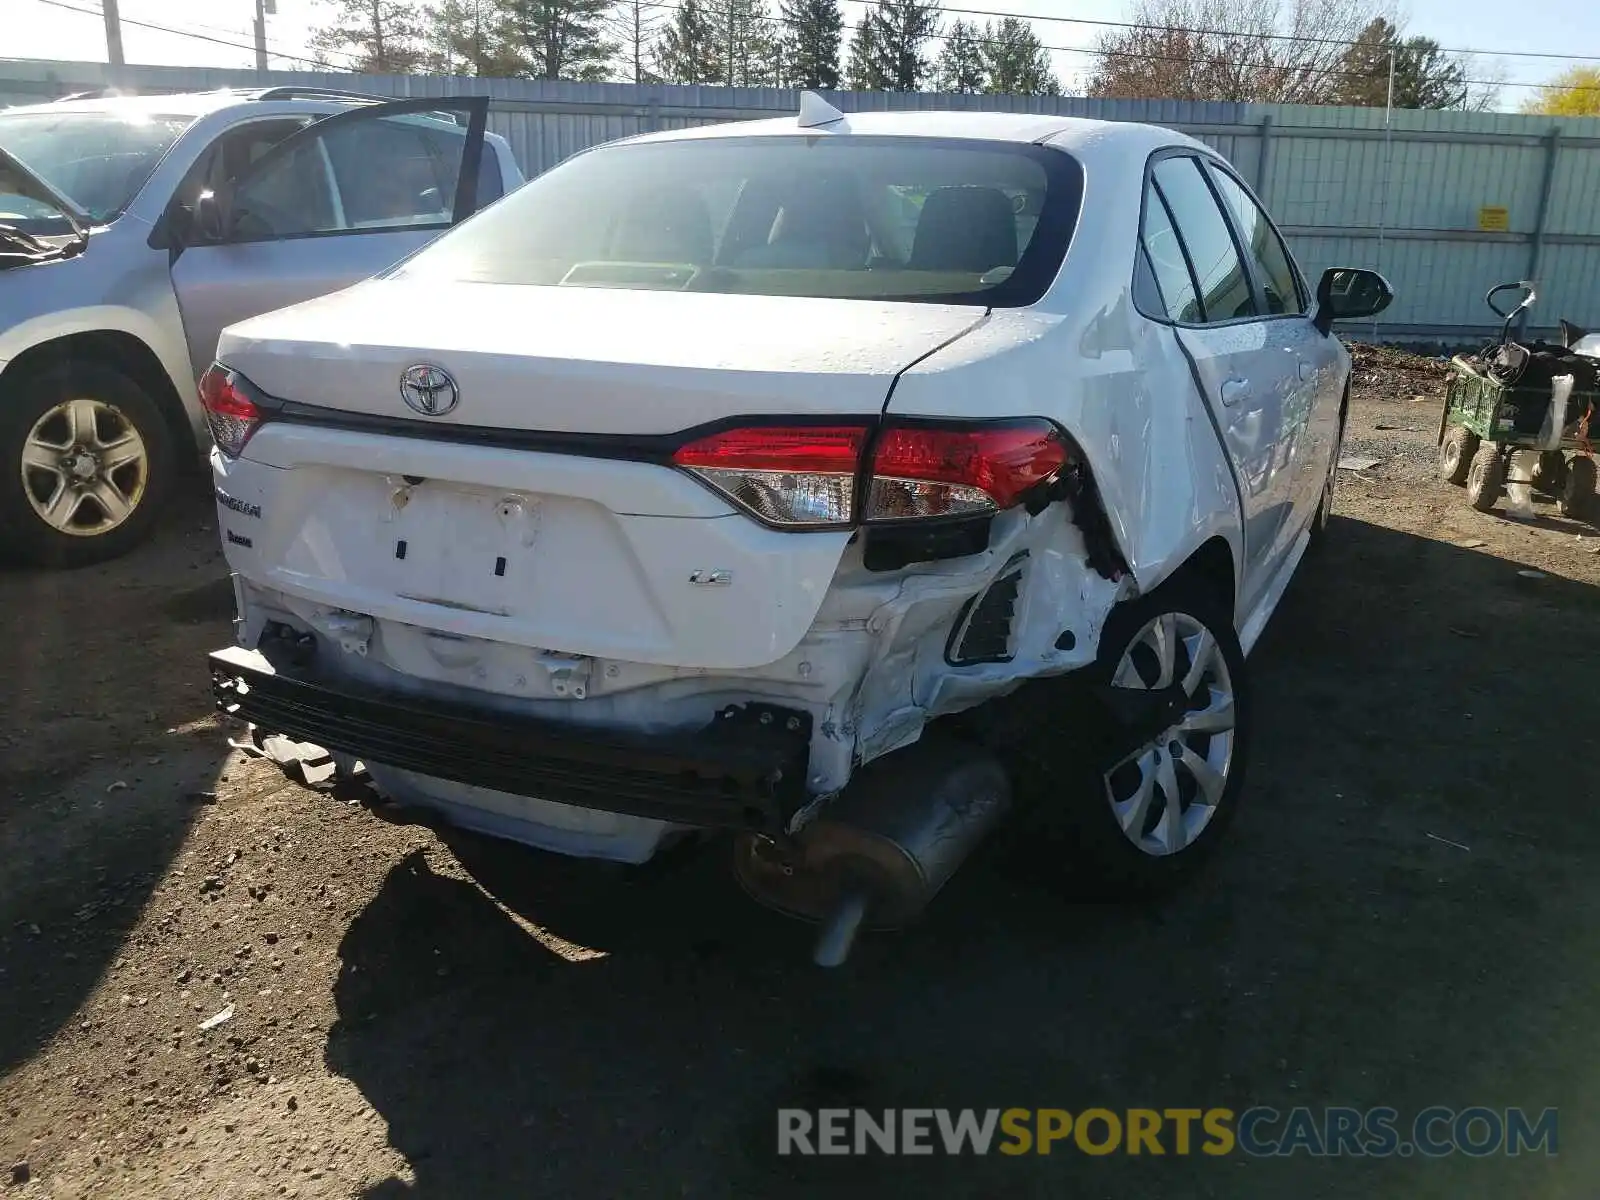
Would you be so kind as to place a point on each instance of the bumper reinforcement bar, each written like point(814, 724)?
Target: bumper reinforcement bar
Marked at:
point(745, 770)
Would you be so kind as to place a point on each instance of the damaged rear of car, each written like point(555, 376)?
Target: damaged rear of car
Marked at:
point(684, 488)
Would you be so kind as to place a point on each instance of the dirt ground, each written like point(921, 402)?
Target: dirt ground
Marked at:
point(1408, 913)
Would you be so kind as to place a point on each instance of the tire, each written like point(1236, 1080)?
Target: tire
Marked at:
point(1456, 452)
point(1486, 477)
point(1076, 834)
point(1550, 475)
point(89, 412)
point(1324, 513)
point(1577, 497)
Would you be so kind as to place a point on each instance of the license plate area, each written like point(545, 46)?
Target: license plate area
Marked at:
point(459, 546)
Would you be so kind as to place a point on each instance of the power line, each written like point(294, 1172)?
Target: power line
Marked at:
point(1096, 52)
point(188, 33)
point(1092, 51)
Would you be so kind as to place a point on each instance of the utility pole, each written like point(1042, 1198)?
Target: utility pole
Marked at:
point(263, 8)
point(113, 33)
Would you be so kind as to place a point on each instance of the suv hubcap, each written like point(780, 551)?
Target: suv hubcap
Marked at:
point(1165, 793)
point(84, 467)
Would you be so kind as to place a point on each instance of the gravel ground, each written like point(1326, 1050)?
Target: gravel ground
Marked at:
point(1403, 916)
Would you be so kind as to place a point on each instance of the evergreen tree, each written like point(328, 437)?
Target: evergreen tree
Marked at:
point(747, 42)
point(1015, 62)
point(811, 42)
point(887, 51)
point(559, 39)
point(865, 72)
point(687, 50)
point(1424, 75)
point(961, 67)
point(373, 37)
point(464, 38)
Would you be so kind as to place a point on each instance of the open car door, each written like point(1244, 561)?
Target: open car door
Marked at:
point(331, 204)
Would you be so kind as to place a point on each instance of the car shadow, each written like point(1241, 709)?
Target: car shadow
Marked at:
point(105, 737)
point(1403, 917)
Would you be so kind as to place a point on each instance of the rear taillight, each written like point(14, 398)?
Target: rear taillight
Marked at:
point(793, 476)
point(927, 471)
point(801, 477)
point(230, 411)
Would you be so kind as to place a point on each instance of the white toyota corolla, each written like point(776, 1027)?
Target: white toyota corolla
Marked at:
point(713, 466)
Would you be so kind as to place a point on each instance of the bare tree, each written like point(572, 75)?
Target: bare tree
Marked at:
point(635, 25)
point(1285, 51)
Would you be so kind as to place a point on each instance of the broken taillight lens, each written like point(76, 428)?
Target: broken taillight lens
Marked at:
point(230, 411)
point(801, 477)
point(793, 476)
point(929, 471)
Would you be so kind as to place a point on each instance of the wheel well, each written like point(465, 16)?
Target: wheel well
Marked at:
point(1213, 563)
point(121, 350)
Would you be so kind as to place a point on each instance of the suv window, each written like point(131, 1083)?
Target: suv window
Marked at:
point(1262, 243)
point(1225, 293)
point(385, 173)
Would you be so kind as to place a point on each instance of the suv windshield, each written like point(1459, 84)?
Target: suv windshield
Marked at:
point(950, 221)
point(98, 160)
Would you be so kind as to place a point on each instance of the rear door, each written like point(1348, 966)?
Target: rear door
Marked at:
point(1313, 397)
point(332, 204)
point(1209, 297)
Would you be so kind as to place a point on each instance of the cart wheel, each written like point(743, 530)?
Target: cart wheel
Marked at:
point(1550, 476)
point(1455, 454)
point(1486, 477)
point(1577, 494)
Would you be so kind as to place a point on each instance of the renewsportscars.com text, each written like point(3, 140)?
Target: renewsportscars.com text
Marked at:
point(1333, 1132)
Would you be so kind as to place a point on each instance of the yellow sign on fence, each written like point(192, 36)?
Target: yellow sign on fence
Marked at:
point(1494, 217)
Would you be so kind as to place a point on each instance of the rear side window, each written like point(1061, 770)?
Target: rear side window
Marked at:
point(872, 218)
point(1178, 297)
point(1224, 286)
point(394, 172)
point(1279, 286)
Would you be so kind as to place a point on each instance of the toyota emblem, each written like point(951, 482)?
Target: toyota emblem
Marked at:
point(429, 390)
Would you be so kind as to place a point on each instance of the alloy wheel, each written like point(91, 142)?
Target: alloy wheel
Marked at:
point(84, 467)
point(1165, 793)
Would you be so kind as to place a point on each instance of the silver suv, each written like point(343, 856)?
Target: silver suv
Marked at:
point(132, 229)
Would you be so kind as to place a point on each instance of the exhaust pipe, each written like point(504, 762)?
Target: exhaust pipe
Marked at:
point(884, 847)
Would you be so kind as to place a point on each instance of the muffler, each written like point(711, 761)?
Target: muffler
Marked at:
point(884, 847)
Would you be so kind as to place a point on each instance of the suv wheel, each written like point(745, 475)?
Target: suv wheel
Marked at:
point(85, 460)
point(1164, 758)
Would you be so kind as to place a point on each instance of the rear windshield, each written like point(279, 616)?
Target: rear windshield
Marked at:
point(948, 221)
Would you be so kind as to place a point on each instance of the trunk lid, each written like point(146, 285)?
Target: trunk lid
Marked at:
point(589, 360)
point(603, 557)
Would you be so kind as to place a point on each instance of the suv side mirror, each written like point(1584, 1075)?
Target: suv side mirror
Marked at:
point(208, 223)
point(1347, 292)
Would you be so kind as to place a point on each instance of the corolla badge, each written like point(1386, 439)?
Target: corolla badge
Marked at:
point(429, 390)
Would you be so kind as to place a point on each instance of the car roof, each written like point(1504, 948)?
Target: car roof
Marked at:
point(196, 104)
point(1020, 128)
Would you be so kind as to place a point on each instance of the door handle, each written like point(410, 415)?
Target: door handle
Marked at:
point(1306, 370)
point(1235, 390)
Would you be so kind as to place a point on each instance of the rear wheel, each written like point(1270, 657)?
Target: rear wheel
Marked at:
point(85, 460)
point(1486, 477)
point(1550, 474)
point(1578, 489)
point(1455, 454)
point(1164, 744)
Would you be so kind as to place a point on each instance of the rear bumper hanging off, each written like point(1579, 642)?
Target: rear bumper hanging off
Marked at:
point(744, 770)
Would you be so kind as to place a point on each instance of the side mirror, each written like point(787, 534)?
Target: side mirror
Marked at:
point(1347, 292)
point(209, 222)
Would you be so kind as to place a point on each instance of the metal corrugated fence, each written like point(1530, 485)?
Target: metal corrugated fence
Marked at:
point(1407, 198)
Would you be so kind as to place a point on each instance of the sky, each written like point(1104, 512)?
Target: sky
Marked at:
point(51, 29)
